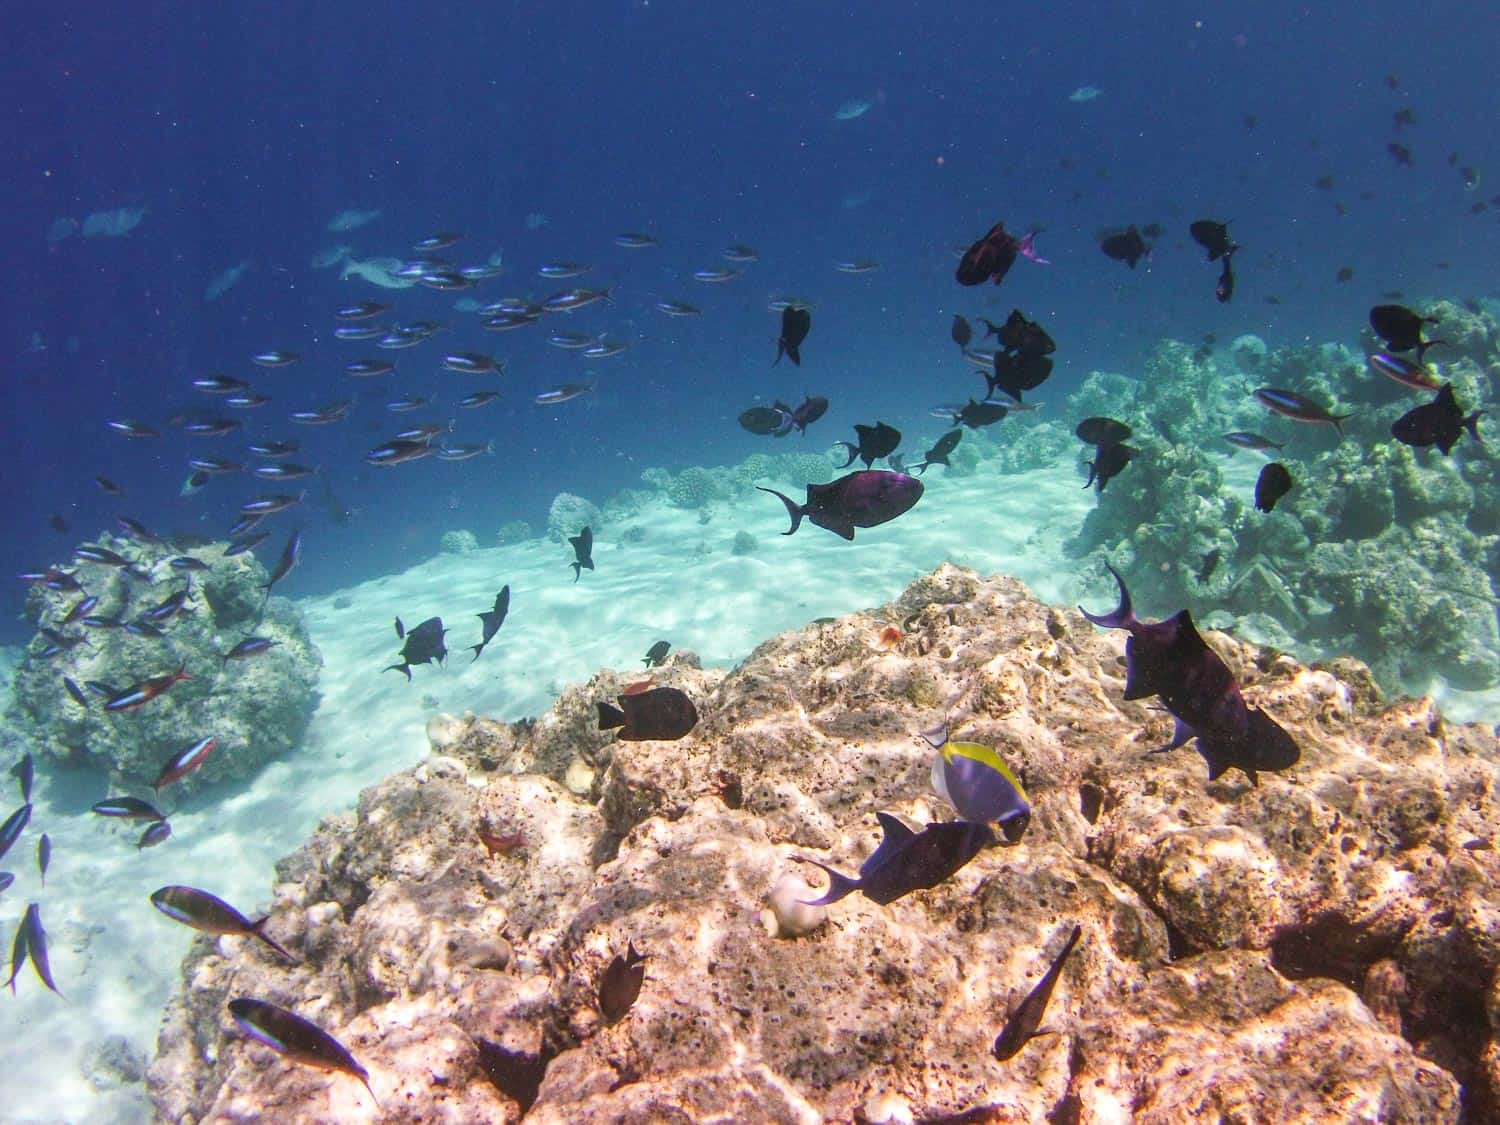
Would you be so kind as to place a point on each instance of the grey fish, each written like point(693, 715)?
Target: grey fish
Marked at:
point(36, 945)
point(492, 620)
point(43, 856)
point(211, 915)
point(24, 771)
point(1025, 1019)
point(583, 550)
point(621, 984)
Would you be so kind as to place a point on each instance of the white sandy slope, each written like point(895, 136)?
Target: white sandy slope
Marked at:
point(116, 959)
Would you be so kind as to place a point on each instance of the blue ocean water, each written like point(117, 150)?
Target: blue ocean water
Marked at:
point(243, 132)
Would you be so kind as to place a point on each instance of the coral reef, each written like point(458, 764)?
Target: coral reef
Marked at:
point(458, 542)
point(513, 531)
point(1321, 947)
point(1379, 549)
point(569, 514)
point(258, 707)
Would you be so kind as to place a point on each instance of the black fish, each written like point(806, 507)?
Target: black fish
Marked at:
point(1025, 1019)
point(961, 332)
point(290, 1035)
point(978, 414)
point(1109, 461)
point(1128, 247)
point(796, 322)
point(813, 407)
point(493, 620)
point(290, 554)
point(1022, 336)
point(1015, 374)
point(516, 1074)
point(656, 655)
point(1400, 154)
point(1213, 237)
point(1102, 431)
point(1401, 329)
point(1209, 565)
point(1169, 659)
point(43, 856)
point(127, 808)
point(424, 644)
point(24, 772)
point(1224, 290)
point(766, 420)
point(938, 454)
point(400, 629)
point(1440, 423)
point(1345, 274)
point(583, 551)
point(875, 442)
point(989, 258)
point(661, 714)
point(909, 861)
point(1274, 482)
point(17, 956)
point(621, 984)
point(866, 498)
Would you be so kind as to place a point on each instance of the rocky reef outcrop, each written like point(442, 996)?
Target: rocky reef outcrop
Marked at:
point(1320, 947)
point(258, 707)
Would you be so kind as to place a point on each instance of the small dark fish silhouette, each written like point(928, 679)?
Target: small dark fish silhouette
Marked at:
point(1025, 1020)
point(583, 552)
point(989, 258)
point(1102, 431)
point(17, 956)
point(765, 421)
point(1214, 238)
point(250, 646)
point(1274, 482)
point(24, 771)
point(43, 856)
point(184, 762)
point(211, 915)
point(290, 555)
point(1128, 247)
point(290, 1035)
point(866, 498)
point(1344, 274)
point(662, 714)
point(1016, 373)
point(1439, 422)
point(979, 414)
point(1209, 565)
point(621, 984)
point(875, 442)
point(1224, 289)
point(796, 322)
point(127, 808)
point(424, 644)
point(961, 331)
point(1403, 116)
point(1401, 329)
point(1109, 461)
point(154, 834)
point(1021, 336)
point(656, 655)
point(493, 620)
point(908, 861)
point(1400, 154)
point(939, 453)
point(812, 408)
point(1298, 408)
point(1170, 660)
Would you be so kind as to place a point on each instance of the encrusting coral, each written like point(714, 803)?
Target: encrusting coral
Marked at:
point(1320, 947)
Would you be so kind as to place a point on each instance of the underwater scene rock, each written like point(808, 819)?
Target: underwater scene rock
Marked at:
point(1321, 946)
point(250, 672)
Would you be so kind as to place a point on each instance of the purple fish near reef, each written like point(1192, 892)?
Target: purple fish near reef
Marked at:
point(908, 861)
point(293, 1037)
point(866, 498)
point(621, 984)
point(1170, 660)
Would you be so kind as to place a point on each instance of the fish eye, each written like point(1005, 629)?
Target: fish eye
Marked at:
point(1015, 827)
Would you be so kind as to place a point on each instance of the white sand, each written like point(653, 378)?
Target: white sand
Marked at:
point(116, 959)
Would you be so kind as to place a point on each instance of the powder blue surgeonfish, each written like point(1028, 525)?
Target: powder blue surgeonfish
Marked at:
point(909, 861)
point(974, 780)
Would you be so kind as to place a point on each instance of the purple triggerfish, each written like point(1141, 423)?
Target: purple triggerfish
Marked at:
point(866, 498)
point(1170, 660)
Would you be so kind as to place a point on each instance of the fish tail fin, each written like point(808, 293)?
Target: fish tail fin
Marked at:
point(1122, 616)
point(853, 453)
point(1471, 423)
point(780, 351)
point(1093, 472)
point(610, 716)
point(794, 355)
point(478, 650)
point(839, 886)
point(1339, 419)
point(405, 669)
point(793, 509)
point(258, 929)
point(577, 570)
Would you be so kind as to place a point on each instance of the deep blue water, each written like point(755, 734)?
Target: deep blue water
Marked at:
point(243, 134)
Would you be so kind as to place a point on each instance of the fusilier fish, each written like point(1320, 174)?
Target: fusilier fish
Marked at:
point(1024, 1022)
point(293, 1037)
point(211, 915)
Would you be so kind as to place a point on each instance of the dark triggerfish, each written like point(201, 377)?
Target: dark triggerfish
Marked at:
point(875, 442)
point(492, 620)
point(583, 552)
point(866, 498)
point(908, 861)
point(424, 644)
point(661, 714)
point(1169, 659)
point(796, 322)
point(290, 1035)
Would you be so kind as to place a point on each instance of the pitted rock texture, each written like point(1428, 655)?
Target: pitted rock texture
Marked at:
point(1321, 947)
